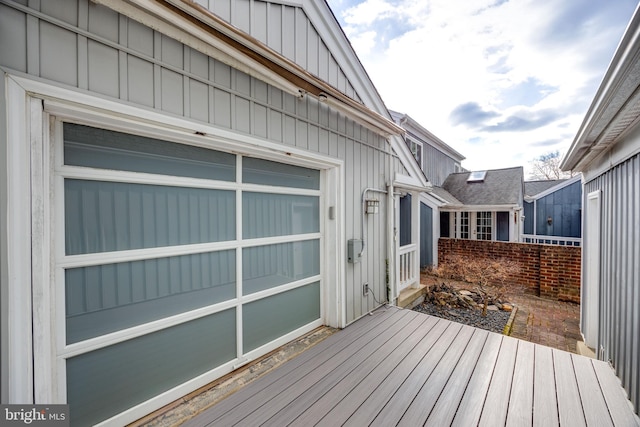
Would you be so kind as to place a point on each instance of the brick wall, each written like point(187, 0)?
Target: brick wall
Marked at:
point(548, 271)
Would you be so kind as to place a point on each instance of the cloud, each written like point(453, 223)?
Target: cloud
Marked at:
point(479, 74)
point(471, 114)
point(547, 143)
point(526, 93)
point(517, 123)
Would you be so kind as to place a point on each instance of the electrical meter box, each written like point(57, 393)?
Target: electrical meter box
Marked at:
point(354, 250)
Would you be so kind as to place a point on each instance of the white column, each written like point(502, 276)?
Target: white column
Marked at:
point(415, 236)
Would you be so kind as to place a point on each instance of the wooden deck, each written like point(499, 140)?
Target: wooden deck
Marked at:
point(399, 367)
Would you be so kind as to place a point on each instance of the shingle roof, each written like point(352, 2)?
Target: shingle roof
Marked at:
point(500, 187)
point(531, 188)
point(445, 195)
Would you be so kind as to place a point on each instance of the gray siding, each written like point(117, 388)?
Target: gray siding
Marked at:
point(437, 165)
point(79, 44)
point(619, 293)
point(564, 207)
point(288, 31)
point(528, 217)
point(426, 236)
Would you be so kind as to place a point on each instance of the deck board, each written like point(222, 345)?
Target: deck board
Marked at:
point(426, 398)
point(445, 408)
point(569, 406)
point(545, 406)
point(614, 395)
point(593, 403)
point(333, 380)
point(520, 411)
point(306, 377)
point(474, 395)
point(399, 367)
point(496, 403)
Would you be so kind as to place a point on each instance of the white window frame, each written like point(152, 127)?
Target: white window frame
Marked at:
point(31, 167)
point(491, 224)
point(411, 143)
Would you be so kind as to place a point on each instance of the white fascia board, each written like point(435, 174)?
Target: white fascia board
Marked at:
point(409, 162)
point(200, 41)
point(479, 208)
point(432, 200)
point(407, 182)
point(555, 188)
point(425, 136)
point(298, 81)
point(334, 37)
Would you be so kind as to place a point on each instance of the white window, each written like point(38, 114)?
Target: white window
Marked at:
point(416, 150)
point(484, 226)
point(461, 225)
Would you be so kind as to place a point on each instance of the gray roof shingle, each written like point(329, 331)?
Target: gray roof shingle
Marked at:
point(500, 187)
point(531, 188)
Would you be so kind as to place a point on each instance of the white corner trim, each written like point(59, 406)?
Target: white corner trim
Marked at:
point(20, 347)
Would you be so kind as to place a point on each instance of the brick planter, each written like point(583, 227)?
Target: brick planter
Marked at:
point(548, 271)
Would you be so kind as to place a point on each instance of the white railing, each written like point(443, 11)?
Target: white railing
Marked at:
point(408, 272)
point(552, 240)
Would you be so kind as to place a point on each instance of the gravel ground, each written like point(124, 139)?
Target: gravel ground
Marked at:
point(495, 321)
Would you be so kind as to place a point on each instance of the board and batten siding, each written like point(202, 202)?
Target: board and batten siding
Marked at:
point(619, 277)
point(437, 166)
point(287, 30)
point(564, 207)
point(78, 44)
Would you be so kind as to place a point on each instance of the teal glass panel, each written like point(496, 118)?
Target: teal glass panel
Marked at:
point(107, 298)
point(113, 216)
point(105, 149)
point(270, 318)
point(105, 382)
point(268, 266)
point(266, 172)
point(267, 215)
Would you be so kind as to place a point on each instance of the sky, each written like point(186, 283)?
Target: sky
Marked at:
point(500, 81)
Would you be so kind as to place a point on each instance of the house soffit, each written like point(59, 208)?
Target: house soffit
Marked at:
point(616, 106)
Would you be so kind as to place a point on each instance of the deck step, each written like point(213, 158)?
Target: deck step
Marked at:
point(410, 297)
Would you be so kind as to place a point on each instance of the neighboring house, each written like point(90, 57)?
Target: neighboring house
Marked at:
point(552, 210)
point(181, 190)
point(483, 205)
point(437, 160)
point(606, 150)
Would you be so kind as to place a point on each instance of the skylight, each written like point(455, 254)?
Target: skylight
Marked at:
point(477, 176)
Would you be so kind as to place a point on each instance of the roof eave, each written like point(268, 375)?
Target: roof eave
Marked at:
point(590, 143)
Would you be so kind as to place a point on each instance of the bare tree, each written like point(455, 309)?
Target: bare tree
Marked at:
point(547, 166)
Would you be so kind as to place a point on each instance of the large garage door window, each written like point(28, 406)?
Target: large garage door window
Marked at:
point(177, 260)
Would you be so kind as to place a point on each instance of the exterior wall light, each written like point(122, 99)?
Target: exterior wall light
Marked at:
point(549, 220)
point(373, 205)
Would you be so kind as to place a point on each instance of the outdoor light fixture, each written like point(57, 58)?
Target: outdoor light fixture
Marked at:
point(373, 205)
point(549, 220)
